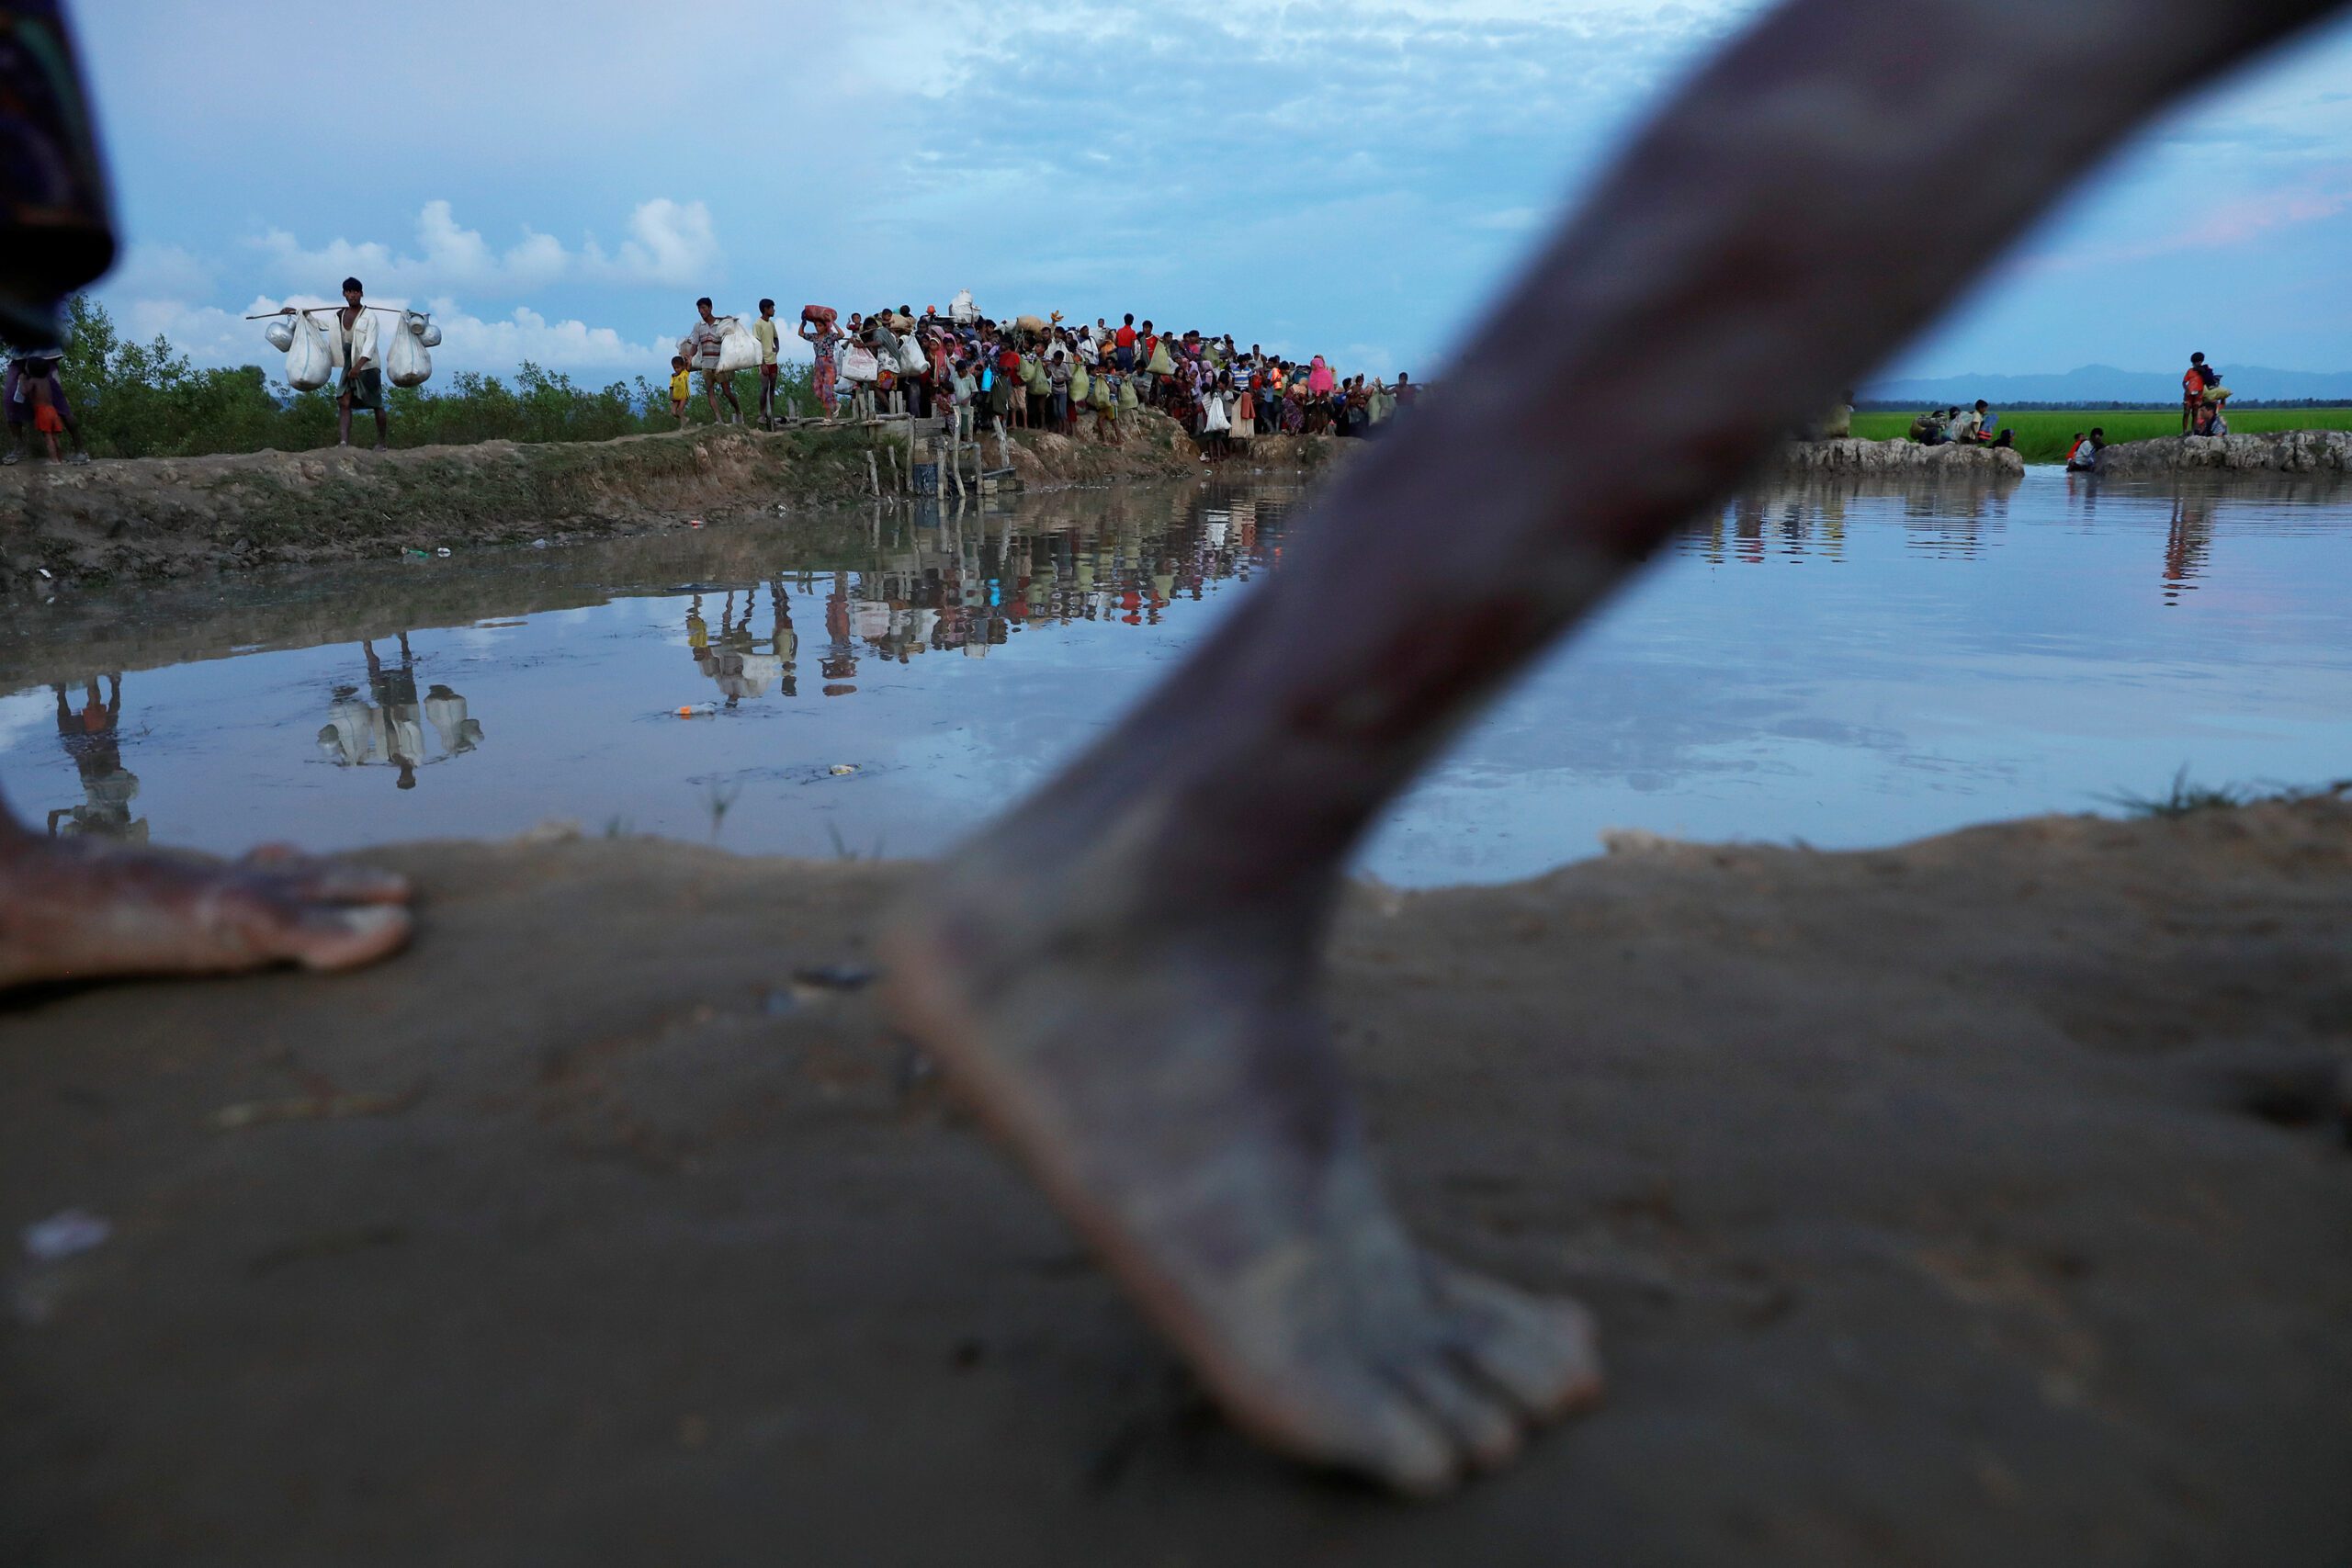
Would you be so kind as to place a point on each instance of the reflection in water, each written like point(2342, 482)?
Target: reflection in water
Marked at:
point(1956, 519)
point(967, 582)
point(388, 730)
point(1946, 516)
point(735, 663)
point(1952, 652)
point(92, 737)
point(2186, 544)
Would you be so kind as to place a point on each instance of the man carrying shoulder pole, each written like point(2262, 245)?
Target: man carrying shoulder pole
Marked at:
point(363, 378)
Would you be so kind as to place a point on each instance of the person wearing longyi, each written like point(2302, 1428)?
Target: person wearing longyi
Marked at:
point(707, 338)
point(765, 329)
point(363, 376)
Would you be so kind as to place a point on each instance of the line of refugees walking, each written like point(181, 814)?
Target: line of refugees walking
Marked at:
point(1036, 373)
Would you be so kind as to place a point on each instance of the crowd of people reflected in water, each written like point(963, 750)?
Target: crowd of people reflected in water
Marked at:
point(876, 594)
point(386, 728)
point(964, 585)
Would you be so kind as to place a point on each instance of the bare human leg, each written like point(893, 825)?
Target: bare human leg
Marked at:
point(1120, 975)
point(74, 910)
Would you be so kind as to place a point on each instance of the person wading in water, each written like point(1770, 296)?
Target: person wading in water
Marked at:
point(1120, 975)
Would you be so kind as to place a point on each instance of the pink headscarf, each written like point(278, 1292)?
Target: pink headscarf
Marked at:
point(1320, 379)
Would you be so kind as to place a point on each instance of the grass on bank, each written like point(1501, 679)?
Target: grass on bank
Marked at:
point(2043, 436)
point(2185, 798)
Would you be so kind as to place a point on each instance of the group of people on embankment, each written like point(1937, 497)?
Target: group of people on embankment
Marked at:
point(1962, 427)
point(1036, 373)
point(1937, 427)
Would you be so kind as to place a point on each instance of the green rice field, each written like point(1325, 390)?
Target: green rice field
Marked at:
point(2044, 435)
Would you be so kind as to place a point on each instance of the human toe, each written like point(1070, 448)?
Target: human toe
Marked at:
point(1541, 1354)
point(331, 938)
point(1482, 1426)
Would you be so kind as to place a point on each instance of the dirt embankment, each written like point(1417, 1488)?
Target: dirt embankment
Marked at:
point(2285, 452)
point(1856, 455)
point(150, 518)
point(1976, 1201)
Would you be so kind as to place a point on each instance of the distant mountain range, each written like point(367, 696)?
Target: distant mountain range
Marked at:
point(2097, 384)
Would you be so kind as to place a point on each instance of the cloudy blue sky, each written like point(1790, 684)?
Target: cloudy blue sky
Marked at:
point(559, 180)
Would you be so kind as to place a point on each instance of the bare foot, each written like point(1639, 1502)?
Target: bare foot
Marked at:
point(72, 911)
point(1173, 1088)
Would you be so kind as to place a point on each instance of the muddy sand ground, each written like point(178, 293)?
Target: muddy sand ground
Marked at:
point(1986, 1201)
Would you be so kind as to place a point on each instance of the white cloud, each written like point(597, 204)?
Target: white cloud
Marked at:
point(671, 243)
point(499, 345)
point(161, 271)
point(24, 714)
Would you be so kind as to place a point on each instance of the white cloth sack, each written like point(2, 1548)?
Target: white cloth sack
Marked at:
point(406, 363)
point(1213, 420)
point(962, 308)
point(858, 364)
point(310, 364)
point(911, 358)
point(738, 349)
point(280, 334)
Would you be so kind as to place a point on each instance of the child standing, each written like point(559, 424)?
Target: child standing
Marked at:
point(679, 389)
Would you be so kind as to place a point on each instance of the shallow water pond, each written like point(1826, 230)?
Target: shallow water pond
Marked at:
point(1844, 663)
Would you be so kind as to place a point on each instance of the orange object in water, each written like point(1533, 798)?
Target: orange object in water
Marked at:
point(697, 713)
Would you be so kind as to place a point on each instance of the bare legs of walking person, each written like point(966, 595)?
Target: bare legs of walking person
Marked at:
point(1121, 976)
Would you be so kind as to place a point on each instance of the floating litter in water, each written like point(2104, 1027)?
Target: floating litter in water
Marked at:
point(443, 552)
point(839, 769)
point(708, 710)
point(63, 1234)
point(694, 523)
